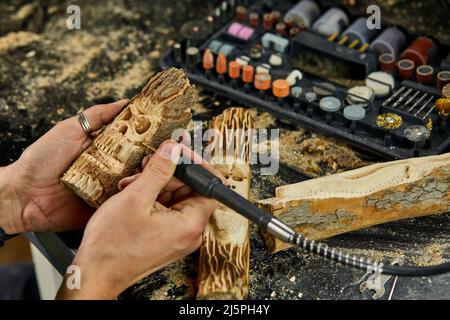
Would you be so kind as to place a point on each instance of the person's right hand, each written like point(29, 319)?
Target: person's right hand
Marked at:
point(154, 221)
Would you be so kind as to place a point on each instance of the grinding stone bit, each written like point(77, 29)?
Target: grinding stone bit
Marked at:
point(354, 112)
point(380, 82)
point(330, 104)
point(296, 92)
point(359, 91)
point(324, 89)
point(310, 96)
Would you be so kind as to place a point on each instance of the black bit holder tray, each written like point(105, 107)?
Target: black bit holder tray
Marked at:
point(367, 136)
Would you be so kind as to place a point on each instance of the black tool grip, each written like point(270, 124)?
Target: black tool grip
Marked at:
point(208, 185)
point(198, 178)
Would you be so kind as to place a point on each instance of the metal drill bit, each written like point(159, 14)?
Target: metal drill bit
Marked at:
point(217, 14)
point(417, 102)
point(429, 111)
point(423, 106)
point(393, 288)
point(402, 97)
point(400, 262)
point(409, 100)
point(394, 95)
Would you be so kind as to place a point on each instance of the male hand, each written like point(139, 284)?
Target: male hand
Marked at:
point(153, 221)
point(39, 202)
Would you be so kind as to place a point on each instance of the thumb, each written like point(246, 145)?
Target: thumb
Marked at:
point(158, 172)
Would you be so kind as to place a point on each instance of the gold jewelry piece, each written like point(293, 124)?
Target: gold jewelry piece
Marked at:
point(84, 123)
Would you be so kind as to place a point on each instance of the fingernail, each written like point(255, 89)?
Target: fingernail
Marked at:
point(170, 150)
point(120, 102)
point(121, 184)
point(126, 182)
point(145, 161)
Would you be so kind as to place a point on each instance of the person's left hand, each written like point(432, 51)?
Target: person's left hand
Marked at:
point(44, 204)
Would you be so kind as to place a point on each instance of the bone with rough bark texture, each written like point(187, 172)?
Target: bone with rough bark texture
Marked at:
point(163, 106)
point(324, 207)
point(224, 253)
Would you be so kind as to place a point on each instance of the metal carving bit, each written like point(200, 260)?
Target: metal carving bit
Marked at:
point(423, 106)
point(399, 262)
point(393, 288)
point(177, 53)
point(429, 111)
point(224, 8)
point(417, 134)
point(410, 99)
point(388, 121)
point(402, 97)
point(417, 102)
point(217, 15)
point(232, 4)
point(394, 95)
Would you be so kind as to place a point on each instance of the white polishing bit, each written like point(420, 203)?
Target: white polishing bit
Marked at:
point(380, 89)
point(294, 76)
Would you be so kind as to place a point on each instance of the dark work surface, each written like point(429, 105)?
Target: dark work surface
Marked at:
point(292, 274)
point(18, 282)
point(130, 36)
point(416, 239)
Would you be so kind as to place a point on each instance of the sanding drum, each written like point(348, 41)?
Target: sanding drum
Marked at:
point(358, 31)
point(405, 69)
point(424, 74)
point(331, 22)
point(386, 62)
point(442, 78)
point(390, 41)
point(419, 51)
point(303, 14)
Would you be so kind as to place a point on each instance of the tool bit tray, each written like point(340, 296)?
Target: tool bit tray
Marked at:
point(367, 135)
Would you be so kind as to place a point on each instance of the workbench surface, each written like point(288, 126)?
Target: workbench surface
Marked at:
point(48, 73)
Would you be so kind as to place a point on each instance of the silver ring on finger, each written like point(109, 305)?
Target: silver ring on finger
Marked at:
point(84, 123)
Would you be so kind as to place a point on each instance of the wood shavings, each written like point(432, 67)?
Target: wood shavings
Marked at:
point(133, 78)
point(314, 156)
point(15, 40)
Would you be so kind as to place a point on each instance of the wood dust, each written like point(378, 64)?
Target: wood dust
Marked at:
point(15, 40)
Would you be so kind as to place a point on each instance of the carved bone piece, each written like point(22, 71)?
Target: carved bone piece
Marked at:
point(225, 249)
point(163, 106)
point(327, 206)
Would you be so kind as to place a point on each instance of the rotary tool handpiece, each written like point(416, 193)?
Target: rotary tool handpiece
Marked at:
point(208, 185)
